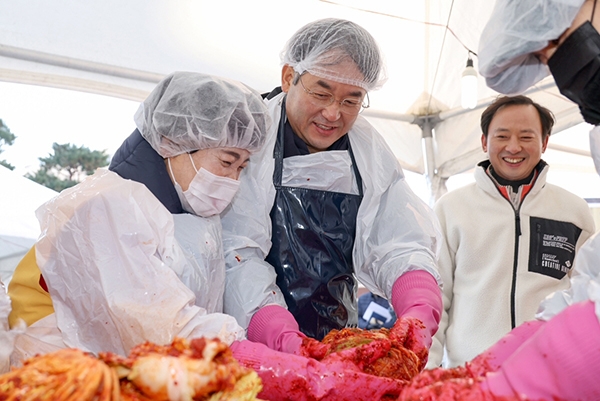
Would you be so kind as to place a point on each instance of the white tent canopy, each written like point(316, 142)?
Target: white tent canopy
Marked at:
point(123, 48)
point(19, 228)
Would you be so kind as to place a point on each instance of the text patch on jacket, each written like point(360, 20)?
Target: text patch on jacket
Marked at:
point(552, 246)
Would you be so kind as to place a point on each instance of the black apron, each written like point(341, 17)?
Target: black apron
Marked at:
point(313, 237)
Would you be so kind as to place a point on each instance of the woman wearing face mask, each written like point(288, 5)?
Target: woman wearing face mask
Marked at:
point(134, 253)
point(207, 193)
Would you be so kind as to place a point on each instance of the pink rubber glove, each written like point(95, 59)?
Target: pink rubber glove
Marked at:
point(275, 326)
point(416, 294)
point(296, 378)
point(560, 361)
point(491, 359)
point(411, 334)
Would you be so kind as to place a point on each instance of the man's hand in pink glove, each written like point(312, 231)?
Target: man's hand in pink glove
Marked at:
point(417, 301)
point(275, 326)
point(412, 334)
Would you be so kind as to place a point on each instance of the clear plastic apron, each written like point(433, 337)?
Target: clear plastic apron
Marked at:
point(313, 237)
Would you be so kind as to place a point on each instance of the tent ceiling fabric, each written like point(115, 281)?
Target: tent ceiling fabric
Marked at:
point(122, 48)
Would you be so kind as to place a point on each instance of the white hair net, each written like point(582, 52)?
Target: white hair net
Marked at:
point(516, 29)
point(320, 46)
point(189, 111)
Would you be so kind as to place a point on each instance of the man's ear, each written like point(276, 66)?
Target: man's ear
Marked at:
point(484, 143)
point(287, 77)
point(545, 143)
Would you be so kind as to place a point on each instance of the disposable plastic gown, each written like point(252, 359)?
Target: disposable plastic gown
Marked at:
point(7, 337)
point(595, 146)
point(396, 231)
point(122, 270)
point(514, 31)
point(585, 281)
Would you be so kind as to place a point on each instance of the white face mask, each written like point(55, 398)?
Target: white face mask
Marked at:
point(208, 194)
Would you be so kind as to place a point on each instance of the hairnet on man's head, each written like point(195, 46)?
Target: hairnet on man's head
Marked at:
point(321, 46)
point(515, 31)
point(189, 111)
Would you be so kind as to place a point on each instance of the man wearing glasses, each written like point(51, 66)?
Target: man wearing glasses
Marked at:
point(326, 204)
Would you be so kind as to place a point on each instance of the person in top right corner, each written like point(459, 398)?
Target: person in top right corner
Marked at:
point(557, 355)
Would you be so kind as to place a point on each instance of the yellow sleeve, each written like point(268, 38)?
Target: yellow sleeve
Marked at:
point(30, 301)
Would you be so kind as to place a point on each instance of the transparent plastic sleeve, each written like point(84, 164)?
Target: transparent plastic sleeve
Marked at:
point(114, 269)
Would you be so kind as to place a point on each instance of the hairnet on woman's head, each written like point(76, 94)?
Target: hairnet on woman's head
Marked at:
point(320, 46)
point(517, 29)
point(189, 111)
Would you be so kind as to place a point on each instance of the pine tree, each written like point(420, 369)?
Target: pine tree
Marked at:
point(68, 166)
point(6, 138)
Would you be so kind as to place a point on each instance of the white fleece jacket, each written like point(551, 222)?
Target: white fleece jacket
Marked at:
point(497, 263)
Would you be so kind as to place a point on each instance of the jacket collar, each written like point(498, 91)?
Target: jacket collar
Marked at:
point(488, 184)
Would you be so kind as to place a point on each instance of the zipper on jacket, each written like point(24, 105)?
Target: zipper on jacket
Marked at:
point(518, 232)
point(513, 285)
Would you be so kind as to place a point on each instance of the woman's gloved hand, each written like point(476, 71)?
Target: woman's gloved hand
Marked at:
point(275, 326)
point(311, 348)
point(296, 378)
point(417, 301)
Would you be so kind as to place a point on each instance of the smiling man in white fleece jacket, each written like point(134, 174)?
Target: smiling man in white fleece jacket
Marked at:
point(509, 238)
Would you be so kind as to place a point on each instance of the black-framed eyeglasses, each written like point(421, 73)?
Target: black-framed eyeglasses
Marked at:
point(350, 105)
